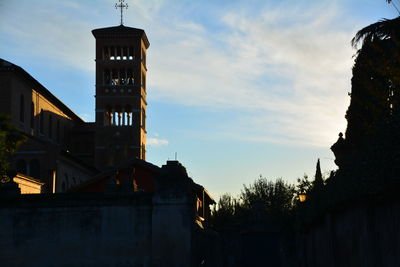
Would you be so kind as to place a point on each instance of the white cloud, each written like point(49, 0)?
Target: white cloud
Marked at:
point(151, 141)
point(289, 70)
point(48, 32)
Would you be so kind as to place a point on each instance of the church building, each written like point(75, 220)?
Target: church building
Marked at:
point(66, 154)
point(62, 150)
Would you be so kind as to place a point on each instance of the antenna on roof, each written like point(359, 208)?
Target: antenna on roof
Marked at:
point(176, 155)
point(121, 5)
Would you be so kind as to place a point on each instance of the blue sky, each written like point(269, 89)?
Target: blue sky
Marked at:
point(236, 88)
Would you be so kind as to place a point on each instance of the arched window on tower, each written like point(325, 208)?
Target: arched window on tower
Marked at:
point(34, 168)
point(131, 53)
point(118, 53)
point(112, 117)
point(112, 53)
point(106, 77)
point(128, 115)
point(130, 80)
point(21, 108)
point(107, 116)
point(125, 53)
point(114, 78)
point(106, 54)
point(21, 166)
point(122, 76)
point(118, 116)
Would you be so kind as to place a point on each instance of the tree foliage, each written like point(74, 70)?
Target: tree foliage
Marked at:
point(10, 139)
point(226, 211)
point(276, 197)
point(303, 185)
point(384, 29)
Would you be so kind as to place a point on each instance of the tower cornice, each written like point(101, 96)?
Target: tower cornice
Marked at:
point(121, 31)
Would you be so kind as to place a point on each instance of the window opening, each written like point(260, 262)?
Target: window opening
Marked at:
point(106, 77)
point(129, 75)
point(118, 53)
point(114, 80)
point(106, 54)
point(34, 168)
point(124, 53)
point(108, 116)
point(131, 54)
point(122, 75)
point(112, 53)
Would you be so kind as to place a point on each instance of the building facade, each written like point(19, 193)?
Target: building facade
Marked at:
point(47, 123)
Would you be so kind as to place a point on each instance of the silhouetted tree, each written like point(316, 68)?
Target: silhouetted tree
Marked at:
point(318, 180)
point(10, 139)
point(369, 156)
point(375, 94)
point(225, 212)
point(277, 196)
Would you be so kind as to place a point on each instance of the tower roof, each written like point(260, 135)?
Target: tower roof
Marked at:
point(121, 30)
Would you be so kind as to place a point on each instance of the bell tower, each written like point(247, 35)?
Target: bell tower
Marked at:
point(120, 95)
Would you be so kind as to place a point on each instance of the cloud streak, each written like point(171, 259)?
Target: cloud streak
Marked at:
point(152, 141)
point(288, 70)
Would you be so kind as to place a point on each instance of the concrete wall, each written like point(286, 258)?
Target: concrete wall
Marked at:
point(363, 235)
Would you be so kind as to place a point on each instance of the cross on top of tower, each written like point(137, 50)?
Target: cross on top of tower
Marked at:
point(121, 5)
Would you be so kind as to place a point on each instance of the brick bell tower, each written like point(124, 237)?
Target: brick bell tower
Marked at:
point(120, 95)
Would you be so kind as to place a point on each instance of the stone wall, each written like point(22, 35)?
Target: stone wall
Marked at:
point(362, 235)
point(103, 229)
point(79, 230)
